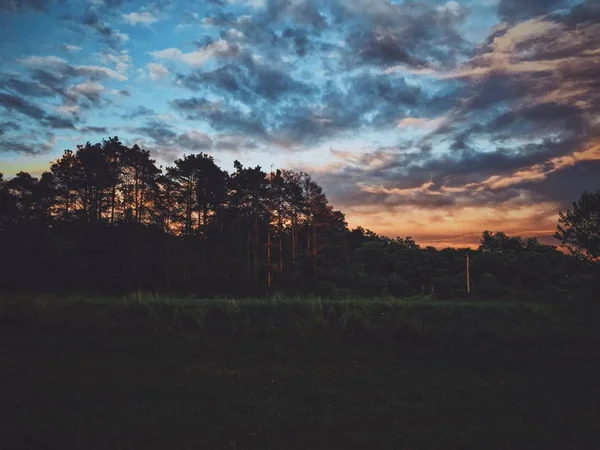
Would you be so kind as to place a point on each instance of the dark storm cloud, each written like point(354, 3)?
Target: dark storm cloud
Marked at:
point(97, 18)
point(498, 121)
point(524, 116)
point(27, 88)
point(365, 101)
point(424, 180)
point(585, 11)
point(295, 112)
point(194, 141)
point(299, 39)
point(247, 81)
point(18, 6)
point(75, 86)
point(308, 12)
point(343, 188)
point(8, 126)
point(566, 185)
point(515, 10)
point(381, 48)
point(24, 144)
point(375, 32)
point(138, 111)
point(234, 143)
point(295, 108)
point(385, 97)
point(54, 121)
point(497, 88)
point(51, 79)
point(471, 166)
point(94, 21)
point(222, 117)
point(14, 103)
point(410, 33)
point(203, 41)
point(18, 104)
point(97, 130)
point(538, 120)
point(156, 129)
point(16, 146)
point(55, 82)
point(530, 122)
point(159, 136)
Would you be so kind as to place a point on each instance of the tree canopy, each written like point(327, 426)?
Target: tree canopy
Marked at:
point(106, 218)
point(579, 229)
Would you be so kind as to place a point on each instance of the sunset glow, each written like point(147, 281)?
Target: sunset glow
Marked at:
point(433, 119)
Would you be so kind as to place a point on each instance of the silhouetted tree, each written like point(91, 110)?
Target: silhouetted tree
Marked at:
point(579, 229)
point(106, 218)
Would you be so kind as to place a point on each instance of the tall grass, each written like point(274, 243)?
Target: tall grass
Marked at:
point(413, 318)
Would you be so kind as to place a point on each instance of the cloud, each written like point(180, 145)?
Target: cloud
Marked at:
point(139, 111)
point(158, 130)
point(59, 65)
point(220, 116)
point(442, 122)
point(89, 89)
point(77, 87)
point(27, 88)
point(247, 81)
point(139, 18)
point(452, 7)
point(194, 140)
point(23, 144)
point(19, 6)
point(387, 34)
point(120, 59)
point(287, 111)
point(420, 122)
point(8, 126)
point(71, 48)
point(94, 130)
point(515, 10)
point(58, 122)
point(234, 143)
point(66, 109)
point(198, 57)
point(539, 45)
point(110, 36)
point(18, 104)
point(156, 71)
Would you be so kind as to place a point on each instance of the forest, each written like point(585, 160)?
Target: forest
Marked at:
point(105, 219)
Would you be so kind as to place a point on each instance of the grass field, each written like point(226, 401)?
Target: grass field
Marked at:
point(155, 373)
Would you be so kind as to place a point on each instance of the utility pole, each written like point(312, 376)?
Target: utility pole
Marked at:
point(269, 279)
point(468, 275)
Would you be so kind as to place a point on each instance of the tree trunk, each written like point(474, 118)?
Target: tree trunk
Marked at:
point(112, 205)
point(314, 250)
point(280, 250)
point(269, 257)
point(294, 238)
point(205, 241)
point(67, 204)
point(136, 200)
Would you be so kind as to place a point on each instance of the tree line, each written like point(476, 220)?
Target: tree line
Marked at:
point(105, 218)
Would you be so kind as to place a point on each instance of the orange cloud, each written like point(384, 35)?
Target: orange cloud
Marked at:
point(456, 226)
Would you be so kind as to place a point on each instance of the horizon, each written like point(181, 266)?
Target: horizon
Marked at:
point(431, 119)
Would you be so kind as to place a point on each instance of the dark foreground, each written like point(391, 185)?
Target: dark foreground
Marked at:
point(164, 387)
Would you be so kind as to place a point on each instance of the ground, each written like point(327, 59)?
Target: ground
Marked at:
point(83, 376)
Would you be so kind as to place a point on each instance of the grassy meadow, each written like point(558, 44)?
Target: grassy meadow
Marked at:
point(152, 372)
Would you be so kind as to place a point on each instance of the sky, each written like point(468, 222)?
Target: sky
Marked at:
point(433, 119)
